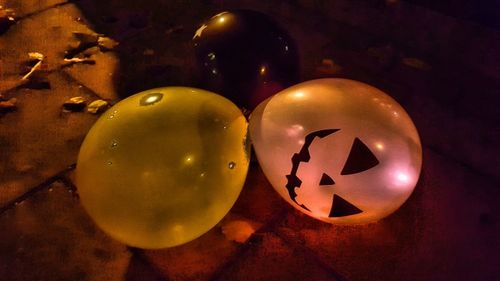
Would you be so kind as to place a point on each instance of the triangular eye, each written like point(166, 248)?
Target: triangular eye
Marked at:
point(342, 208)
point(360, 159)
point(326, 180)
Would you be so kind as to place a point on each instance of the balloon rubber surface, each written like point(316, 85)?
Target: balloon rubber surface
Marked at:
point(245, 56)
point(338, 150)
point(162, 167)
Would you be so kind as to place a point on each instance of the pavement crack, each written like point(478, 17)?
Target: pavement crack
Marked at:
point(488, 177)
point(141, 257)
point(308, 253)
point(68, 183)
point(254, 240)
point(40, 187)
point(35, 13)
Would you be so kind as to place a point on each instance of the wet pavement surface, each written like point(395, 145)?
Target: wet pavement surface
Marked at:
point(444, 71)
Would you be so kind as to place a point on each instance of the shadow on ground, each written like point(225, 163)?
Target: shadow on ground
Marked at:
point(155, 40)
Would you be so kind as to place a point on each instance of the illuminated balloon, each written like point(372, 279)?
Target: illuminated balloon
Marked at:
point(163, 166)
point(338, 150)
point(245, 56)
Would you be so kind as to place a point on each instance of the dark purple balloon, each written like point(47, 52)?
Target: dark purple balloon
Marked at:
point(245, 56)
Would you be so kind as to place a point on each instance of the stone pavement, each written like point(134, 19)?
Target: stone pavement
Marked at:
point(444, 70)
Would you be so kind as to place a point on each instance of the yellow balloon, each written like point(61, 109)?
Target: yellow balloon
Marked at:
point(162, 167)
point(338, 150)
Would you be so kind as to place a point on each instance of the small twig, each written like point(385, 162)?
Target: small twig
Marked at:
point(33, 69)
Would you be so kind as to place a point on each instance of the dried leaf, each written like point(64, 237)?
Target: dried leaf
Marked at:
point(107, 43)
point(7, 19)
point(74, 104)
point(6, 106)
point(86, 41)
point(36, 56)
point(328, 67)
point(86, 38)
point(79, 60)
point(97, 106)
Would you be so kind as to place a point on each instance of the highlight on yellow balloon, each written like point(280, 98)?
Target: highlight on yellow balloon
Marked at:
point(338, 150)
point(164, 166)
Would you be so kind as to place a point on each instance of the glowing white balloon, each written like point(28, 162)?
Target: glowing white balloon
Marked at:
point(338, 150)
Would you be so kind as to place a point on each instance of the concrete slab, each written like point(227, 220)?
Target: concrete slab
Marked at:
point(49, 33)
point(446, 230)
point(272, 259)
point(200, 259)
point(443, 70)
point(50, 237)
point(27, 7)
point(100, 77)
point(196, 260)
point(32, 150)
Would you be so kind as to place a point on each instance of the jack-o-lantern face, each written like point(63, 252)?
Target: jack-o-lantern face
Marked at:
point(337, 150)
point(360, 159)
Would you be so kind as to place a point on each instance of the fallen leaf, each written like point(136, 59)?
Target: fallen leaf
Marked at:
point(97, 106)
point(328, 67)
point(6, 106)
point(107, 43)
point(86, 38)
point(7, 19)
point(36, 56)
point(74, 104)
point(79, 60)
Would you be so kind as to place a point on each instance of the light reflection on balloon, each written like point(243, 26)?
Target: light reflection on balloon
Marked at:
point(295, 130)
point(338, 150)
point(379, 146)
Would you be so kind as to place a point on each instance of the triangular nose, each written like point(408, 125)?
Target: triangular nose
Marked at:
point(326, 180)
point(342, 208)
